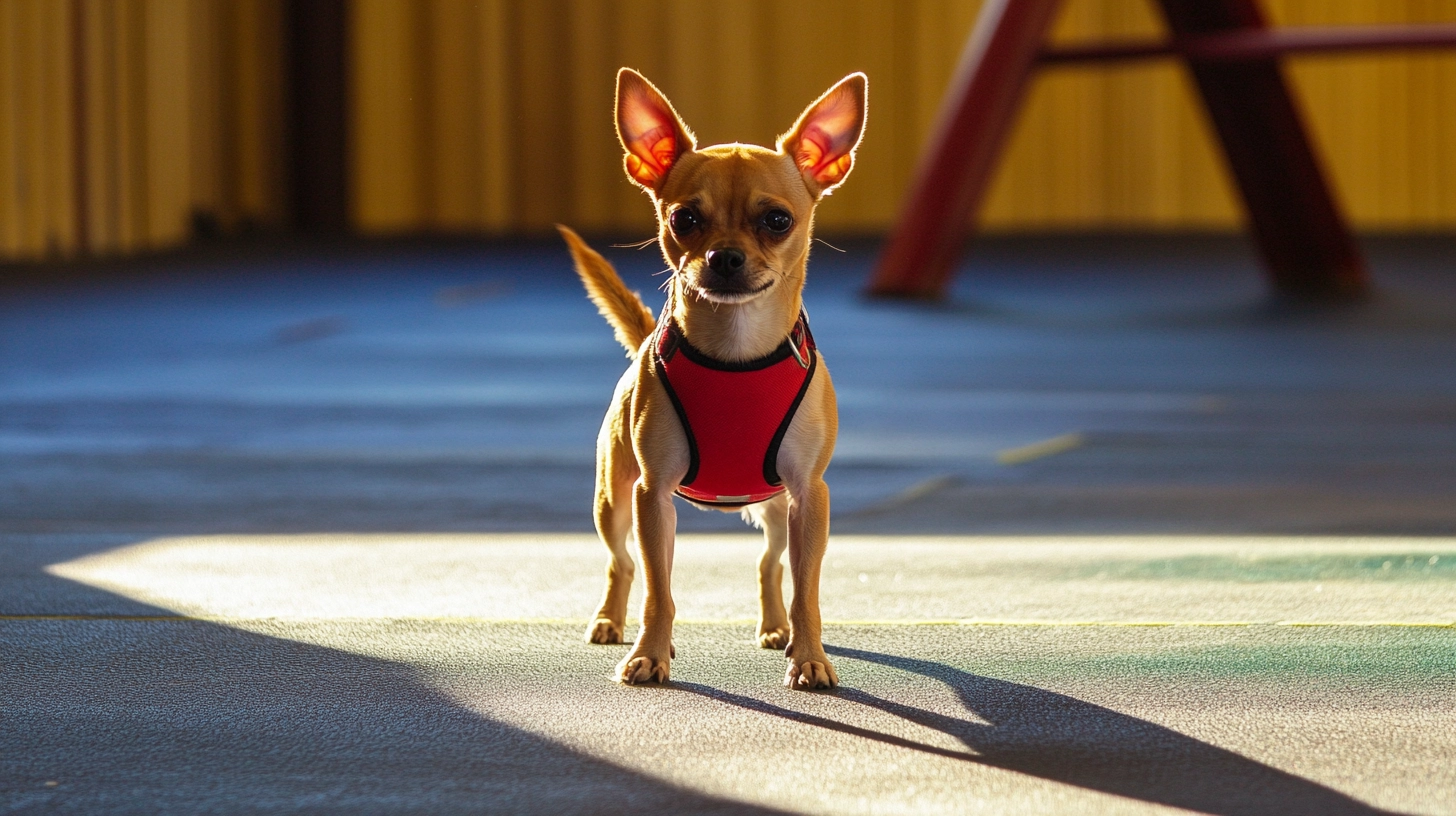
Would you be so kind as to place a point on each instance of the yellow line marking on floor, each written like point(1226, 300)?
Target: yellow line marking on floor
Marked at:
point(919, 490)
point(1037, 450)
point(466, 619)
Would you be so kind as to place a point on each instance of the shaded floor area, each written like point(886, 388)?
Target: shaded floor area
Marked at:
point(930, 720)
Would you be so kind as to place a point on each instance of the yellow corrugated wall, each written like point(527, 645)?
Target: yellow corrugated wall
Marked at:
point(120, 119)
point(496, 114)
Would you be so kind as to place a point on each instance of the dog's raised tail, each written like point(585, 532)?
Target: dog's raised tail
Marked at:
point(631, 320)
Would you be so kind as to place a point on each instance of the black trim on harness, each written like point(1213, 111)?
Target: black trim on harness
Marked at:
point(778, 355)
point(771, 458)
point(682, 413)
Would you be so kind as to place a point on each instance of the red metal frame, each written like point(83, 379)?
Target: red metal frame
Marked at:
point(1307, 248)
point(1309, 251)
point(955, 172)
point(1245, 44)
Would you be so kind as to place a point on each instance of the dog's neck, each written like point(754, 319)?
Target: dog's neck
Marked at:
point(737, 332)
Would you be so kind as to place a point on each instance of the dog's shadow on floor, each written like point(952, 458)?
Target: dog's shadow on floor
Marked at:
point(1052, 736)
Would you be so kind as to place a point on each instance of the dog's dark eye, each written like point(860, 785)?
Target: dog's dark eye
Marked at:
point(683, 221)
point(776, 221)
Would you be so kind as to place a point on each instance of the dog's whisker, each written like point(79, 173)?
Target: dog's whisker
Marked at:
point(826, 243)
point(637, 245)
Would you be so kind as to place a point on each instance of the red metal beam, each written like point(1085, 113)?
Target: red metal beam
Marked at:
point(1308, 250)
point(957, 165)
point(1256, 44)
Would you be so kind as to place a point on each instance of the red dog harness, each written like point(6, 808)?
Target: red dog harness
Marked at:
point(735, 415)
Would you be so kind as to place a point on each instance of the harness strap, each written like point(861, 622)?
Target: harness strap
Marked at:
point(724, 400)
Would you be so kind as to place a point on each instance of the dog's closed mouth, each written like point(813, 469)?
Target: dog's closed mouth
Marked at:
point(734, 295)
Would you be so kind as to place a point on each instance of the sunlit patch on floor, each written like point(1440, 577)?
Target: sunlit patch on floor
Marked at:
point(955, 579)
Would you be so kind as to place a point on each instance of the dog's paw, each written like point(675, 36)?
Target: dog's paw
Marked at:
point(775, 638)
point(636, 670)
point(604, 630)
point(811, 674)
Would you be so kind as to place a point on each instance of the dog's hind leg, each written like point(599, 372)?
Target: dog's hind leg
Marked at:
point(772, 517)
point(616, 473)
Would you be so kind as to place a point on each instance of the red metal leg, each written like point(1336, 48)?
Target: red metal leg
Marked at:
point(1306, 245)
point(958, 163)
point(1242, 44)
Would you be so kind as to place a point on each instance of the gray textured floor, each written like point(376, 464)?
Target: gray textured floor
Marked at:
point(256, 549)
point(430, 717)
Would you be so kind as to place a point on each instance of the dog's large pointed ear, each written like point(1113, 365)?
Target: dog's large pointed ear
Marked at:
point(823, 141)
point(649, 129)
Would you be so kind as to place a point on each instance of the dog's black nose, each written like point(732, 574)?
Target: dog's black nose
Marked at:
point(726, 262)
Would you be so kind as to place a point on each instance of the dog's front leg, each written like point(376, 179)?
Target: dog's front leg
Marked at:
point(809, 667)
point(655, 520)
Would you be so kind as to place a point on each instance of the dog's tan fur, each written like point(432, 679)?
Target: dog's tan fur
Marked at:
point(642, 452)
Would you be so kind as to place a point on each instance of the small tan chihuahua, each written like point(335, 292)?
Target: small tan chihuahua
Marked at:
point(726, 403)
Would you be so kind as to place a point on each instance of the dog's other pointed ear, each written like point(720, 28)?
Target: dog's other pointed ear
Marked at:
point(823, 141)
point(649, 129)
